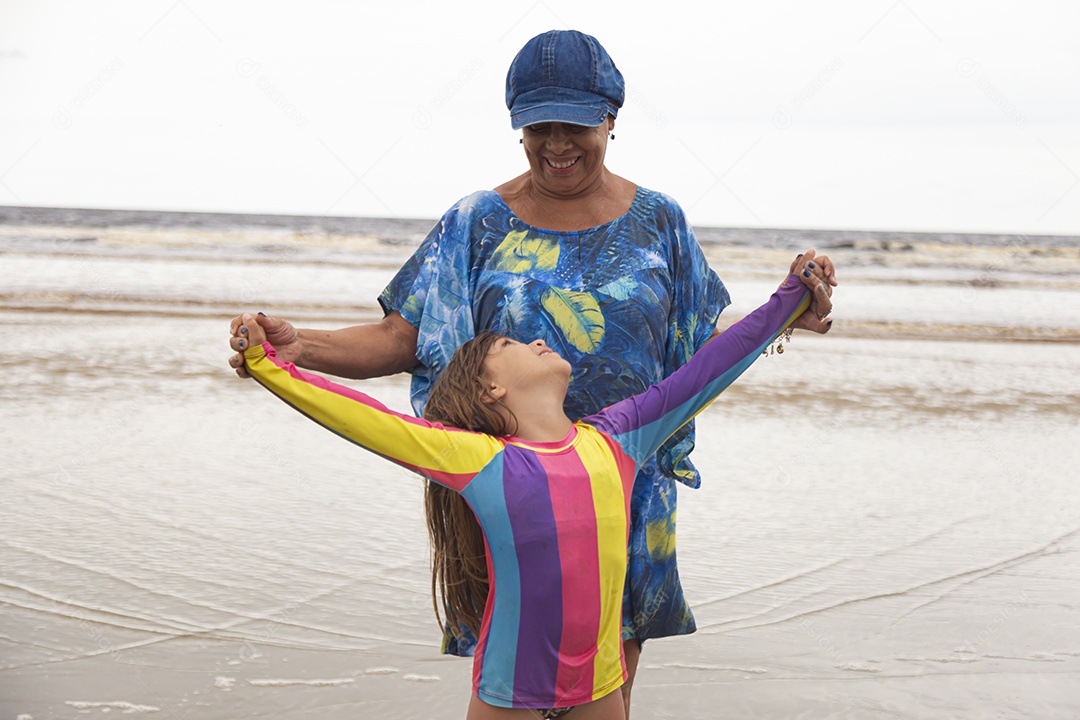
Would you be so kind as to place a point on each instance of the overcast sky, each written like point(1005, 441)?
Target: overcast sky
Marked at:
point(876, 114)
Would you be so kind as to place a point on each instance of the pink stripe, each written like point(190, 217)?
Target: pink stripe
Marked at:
point(324, 384)
point(457, 476)
point(485, 623)
point(451, 480)
point(572, 506)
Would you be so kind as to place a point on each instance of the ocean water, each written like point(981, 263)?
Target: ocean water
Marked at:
point(889, 524)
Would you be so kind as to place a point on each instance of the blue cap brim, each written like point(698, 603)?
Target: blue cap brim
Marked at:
point(570, 114)
point(560, 105)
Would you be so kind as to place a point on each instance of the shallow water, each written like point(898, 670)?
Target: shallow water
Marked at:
point(889, 524)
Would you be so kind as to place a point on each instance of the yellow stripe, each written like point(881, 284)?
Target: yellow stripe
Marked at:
point(542, 450)
point(378, 428)
point(611, 526)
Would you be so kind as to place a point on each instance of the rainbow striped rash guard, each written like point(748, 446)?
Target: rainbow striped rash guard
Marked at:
point(554, 514)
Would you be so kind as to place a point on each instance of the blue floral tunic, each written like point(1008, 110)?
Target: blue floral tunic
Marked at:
point(627, 303)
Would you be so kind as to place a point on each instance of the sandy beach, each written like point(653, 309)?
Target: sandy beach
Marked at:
point(177, 543)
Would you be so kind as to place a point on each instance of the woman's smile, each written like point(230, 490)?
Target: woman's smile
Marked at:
point(562, 164)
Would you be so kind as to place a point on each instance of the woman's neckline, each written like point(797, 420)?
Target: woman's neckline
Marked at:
point(639, 193)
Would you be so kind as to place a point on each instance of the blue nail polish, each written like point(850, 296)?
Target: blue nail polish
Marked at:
point(241, 344)
point(243, 331)
point(262, 313)
point(810, 264)
point(806, 273)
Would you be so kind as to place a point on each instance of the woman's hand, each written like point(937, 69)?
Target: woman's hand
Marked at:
point(819, 276)
point(248, 330)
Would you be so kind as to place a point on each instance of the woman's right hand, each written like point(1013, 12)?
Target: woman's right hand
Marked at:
point(279, 333)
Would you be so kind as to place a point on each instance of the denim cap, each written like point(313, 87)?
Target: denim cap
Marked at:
point(563, 76)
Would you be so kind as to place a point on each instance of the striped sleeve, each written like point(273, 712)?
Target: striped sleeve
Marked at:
point(641, 423)
point(448, 456)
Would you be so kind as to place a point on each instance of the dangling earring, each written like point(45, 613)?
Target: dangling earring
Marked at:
point(521, 141)
point(612, 136)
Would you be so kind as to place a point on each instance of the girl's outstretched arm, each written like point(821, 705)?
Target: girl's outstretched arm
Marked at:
point(449, 456)
point(640, 424)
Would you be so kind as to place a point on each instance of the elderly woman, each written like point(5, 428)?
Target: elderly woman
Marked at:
point(607, 272)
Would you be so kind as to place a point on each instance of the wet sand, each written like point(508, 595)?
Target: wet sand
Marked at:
point(178, 543)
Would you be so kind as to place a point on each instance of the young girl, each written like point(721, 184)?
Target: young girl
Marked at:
point(551, 496)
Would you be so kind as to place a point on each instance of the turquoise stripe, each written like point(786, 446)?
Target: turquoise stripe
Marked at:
point(646, 439)
point(486, 496)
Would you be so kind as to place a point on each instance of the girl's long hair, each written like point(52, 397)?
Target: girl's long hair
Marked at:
point(458, 558)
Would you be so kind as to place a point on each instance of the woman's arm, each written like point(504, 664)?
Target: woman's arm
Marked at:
point(357, 352)
point(448, 456)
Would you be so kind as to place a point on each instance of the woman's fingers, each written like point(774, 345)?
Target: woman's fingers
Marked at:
point(828, 269)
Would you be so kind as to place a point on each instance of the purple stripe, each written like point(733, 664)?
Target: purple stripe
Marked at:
point(528, 505)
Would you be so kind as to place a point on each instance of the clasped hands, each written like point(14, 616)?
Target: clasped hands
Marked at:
point(819, 275)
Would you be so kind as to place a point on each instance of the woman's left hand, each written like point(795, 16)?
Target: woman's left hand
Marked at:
point(819, 276)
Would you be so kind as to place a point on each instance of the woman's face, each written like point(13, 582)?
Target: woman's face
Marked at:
point(566, 159)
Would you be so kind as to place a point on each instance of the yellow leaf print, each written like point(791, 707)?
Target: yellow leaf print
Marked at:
point(518, 253)
point(577, 315)
point(686, 475)
point(660, 535)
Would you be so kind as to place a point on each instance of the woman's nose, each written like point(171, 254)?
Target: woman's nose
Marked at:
point(557, 134)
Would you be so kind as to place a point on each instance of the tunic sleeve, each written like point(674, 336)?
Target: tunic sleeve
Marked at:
point(448, 456)
point(433, 292)
point(642, 422)
point(698, 298)
point(699, 295)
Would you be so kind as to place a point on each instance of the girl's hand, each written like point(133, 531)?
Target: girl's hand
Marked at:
point(822, 267)
point(280, 333)
point(252, 330)
point(819, 276)
point(247, 331)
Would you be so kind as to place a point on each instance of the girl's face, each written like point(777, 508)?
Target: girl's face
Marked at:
point(510, 364)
